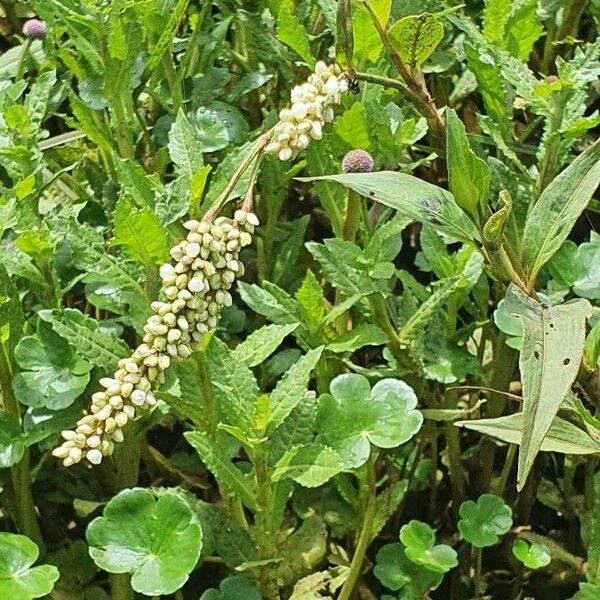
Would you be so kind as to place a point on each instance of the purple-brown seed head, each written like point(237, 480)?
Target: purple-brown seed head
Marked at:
point(34, 29)
point(357, 161)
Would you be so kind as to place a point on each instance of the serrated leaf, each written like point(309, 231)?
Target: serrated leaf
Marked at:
point(292, 33)
point(310, 465)
point(415, 38)
point(185, 149)
point(141, 233)
point(559, 206)
point(260, 344)
point(495, 17)
point(415, 198)
point(290, 390)
point(364, 334)
point(83, 335)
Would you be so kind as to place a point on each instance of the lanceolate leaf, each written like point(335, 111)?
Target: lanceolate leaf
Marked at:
point(468, 175)
point(558, 207)
point(260, 344)
point(412, 197)
point(551, 352)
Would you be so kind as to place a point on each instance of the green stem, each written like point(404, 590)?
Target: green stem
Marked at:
point(368, 495)
point(508, 463)
point(172, 80)
point(120, 588)
point(477, 580)
point(22, 57)
point(353, 210)
point(25, 516)
point(265, 538)
point(122, 128)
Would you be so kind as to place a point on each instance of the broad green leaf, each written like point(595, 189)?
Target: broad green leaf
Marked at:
point(311, 302)
point(349, 418)
point(563, 437)
point(468, 175)
point(524, 30)
point(215, 457)
point(551, 352)
point(559, 206)
point(483, 522)
point(217, 125)
point(419, 541)
point(185, 149)
point(364, 334)
point(290, 391)
point(52, 375)
point(495, 17)
point(12, 441)
point(234, 384)
point(535, 556)
point(412, 197)
point(415, 38)
point(265, 303)
point(85, 338)
point(234, 587)
point(136, 183)
point(292, 33)
point(157, 541)
point(18, 578)
point(367, 43)
point(141, 233)
point(310, 465)
point(353, 128)
point(397, 572)
point(260, 344)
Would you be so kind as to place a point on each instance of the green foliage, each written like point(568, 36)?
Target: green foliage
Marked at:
point(534, 556)
point(483, 522)
point(420, 547)
point(157, 541)
point(18, 578)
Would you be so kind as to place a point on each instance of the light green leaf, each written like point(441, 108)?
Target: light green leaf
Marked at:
point(364, 334)
point(157, 541)
point(260, 344)
point(367, 43)
point(83, 335)
point(185, 148)
point(292, 33)
point(136, 183)
point(535, 556)
point(310, 465)
point(559, 206)
point(141, 233)
point(353, 128)
point(415, 38)
point(415, 198)
point(419, 540)
point(227, 474)
point(468, 175)
point(291, 389)
point(311, 302)
point(12, 441)
point(495, 17)
point(551, 352)
point(563, 437)
point(524, 29)
point(19, 580)
point(235, 587)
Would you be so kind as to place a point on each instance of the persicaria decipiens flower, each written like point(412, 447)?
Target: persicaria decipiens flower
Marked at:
point(311, 108)
point(194, 288)
point(34, 29)
point(357, 161)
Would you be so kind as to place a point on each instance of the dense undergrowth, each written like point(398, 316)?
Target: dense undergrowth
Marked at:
point(299, 300)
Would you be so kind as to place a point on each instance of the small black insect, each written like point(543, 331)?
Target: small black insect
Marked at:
point(353, 85)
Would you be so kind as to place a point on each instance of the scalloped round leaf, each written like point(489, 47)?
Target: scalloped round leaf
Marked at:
point(236, 587)
point(353, 416)
point(535, 556)
point(18, 579)
point(419, 539)
point(483, 522)
point(157, 541)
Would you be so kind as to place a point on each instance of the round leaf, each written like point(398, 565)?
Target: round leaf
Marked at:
point(237, 587)
point(158, 542)
point(354, 416)
point(535, 556)
point(482, 523)
point(18, 579)
point(396, 572)
point(419, 539)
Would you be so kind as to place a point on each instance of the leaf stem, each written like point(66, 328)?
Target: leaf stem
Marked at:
point(25, 516)
point(22, 57)
point(368, 494)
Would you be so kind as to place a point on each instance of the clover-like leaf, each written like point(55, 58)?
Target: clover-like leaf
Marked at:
point(18, 579)
point(12, 441)
point(53, 375)
point(535, 556)
point(354, 416)
point(419, 540)
point(396, 572)
point(157, 541)
point(482, 522)
point(236, 587)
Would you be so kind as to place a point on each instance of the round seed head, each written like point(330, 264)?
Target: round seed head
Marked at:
point(35, 29)
point(357, 161)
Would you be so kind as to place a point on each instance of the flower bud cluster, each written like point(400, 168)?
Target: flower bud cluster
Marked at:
point(194, 288)
point(312, 107)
